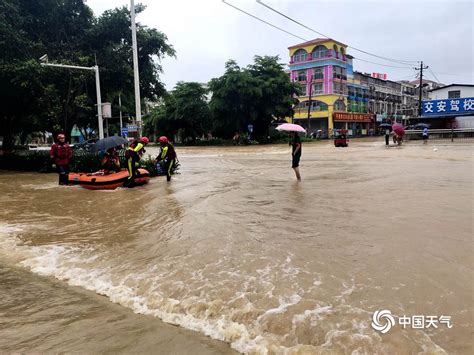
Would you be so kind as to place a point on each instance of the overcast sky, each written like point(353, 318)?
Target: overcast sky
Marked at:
point(207, 33)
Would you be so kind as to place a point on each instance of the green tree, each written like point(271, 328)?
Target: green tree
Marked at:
point(185, 109)
point(235, 97)
point(161, 119)
point(191, 109)
point(255, 95)
point(277, 92)
point(37, 98)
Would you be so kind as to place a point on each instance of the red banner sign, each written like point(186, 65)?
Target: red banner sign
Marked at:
point(352, 117)
point(379, 76)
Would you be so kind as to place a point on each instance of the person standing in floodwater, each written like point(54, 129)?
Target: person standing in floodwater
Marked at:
point(387, 136)
point(425, 135)
point(167, 157)
point(295, 153)
point(61, 154)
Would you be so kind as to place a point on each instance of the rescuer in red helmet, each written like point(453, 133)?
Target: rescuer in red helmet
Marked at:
point(61, 154)
point(134, 153)
point(167, 157)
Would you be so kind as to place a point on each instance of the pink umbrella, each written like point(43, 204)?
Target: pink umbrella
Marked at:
point(398, 129)
point(290, 127)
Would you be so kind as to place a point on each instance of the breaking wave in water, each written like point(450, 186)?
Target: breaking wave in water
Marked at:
point(256, 317)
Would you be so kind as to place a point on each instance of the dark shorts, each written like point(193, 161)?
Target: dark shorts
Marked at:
point(425, 138)
point(295, 161)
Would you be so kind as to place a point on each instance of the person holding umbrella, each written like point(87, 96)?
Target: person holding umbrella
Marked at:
point(425, 135)
point(295, 153)
point(295, 145)
point(111, 161)
point(398, 132)
point(387, 128)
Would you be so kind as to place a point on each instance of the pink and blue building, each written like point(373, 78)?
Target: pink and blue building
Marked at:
point(327, 89)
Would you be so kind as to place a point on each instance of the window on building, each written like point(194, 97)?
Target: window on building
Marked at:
point(350, 106)
point(301, 90)
point(351, 91)
point(318, 89)
point(300, 55)
point(319, 52)
point(318, 106)
point(456, 94)
point(339, 106)
point(301, 75)
point(339, 88)
point(318, 74)
point(339, 73)
point(315, 106)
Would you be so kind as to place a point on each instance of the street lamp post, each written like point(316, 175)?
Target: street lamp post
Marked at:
point(138, 109)
point(309, 102)
point(95, 68)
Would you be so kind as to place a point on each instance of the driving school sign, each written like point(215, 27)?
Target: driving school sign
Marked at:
point(448, 107)
point(352, 117)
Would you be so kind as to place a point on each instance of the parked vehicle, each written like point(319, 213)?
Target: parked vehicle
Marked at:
point(86, 145)
point(340, 138)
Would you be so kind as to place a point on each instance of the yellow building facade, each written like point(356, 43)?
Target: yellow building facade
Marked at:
point(323, 71)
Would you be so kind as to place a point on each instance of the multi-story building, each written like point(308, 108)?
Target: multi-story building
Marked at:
point(409, 106)
point(324, 71)
point(333, 96)
point(384, 96)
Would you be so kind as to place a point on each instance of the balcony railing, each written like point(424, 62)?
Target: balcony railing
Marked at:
point(321, 55)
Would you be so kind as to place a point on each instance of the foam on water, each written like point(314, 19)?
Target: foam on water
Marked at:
point(338, 325)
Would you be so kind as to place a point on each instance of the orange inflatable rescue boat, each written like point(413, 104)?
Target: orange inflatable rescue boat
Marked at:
point(107, 182)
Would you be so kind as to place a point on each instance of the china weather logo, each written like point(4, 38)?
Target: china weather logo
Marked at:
point(383, 321)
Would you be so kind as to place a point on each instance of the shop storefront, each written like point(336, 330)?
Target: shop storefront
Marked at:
point(356, 124)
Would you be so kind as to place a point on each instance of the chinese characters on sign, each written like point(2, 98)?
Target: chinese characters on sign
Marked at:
point(379, 76)
point(352, 117)
point(448, 106)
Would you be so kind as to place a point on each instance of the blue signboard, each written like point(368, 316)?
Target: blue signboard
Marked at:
point(448, 107)
point(250, 127)
point(124, 131)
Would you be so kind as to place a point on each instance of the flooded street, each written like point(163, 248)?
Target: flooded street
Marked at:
point(236, 249)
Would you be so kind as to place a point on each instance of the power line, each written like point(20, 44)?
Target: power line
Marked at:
point(399, 61)
point(259, 19)
point(434, 76)
point(439, 73)
point(289, 18)
point(304, 39)
point(385, 65)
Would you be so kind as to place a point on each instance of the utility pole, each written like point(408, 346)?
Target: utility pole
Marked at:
point(138, 108)
point(420, 94)
point(120, 110)
point(309, 103)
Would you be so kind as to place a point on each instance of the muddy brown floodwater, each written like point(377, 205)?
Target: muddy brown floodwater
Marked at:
point(235, 249)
